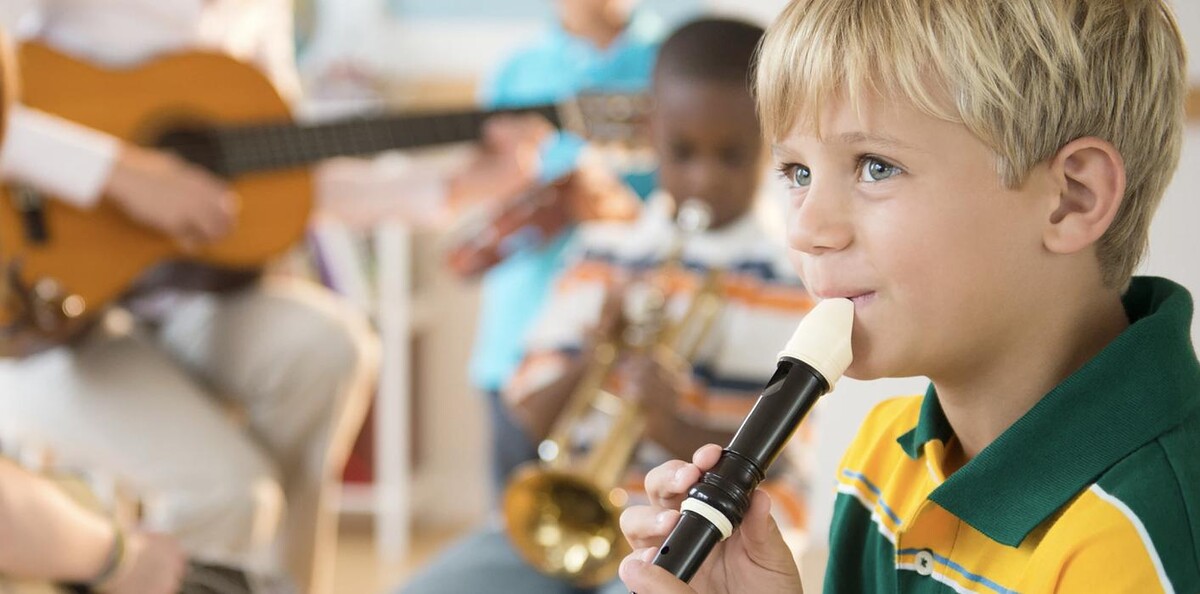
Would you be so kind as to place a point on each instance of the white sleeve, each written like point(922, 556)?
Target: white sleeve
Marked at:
point(21, 18)
point(67, 160)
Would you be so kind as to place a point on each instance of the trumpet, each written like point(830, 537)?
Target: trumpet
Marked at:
point(562, 513)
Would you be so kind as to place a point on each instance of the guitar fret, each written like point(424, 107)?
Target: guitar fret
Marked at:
point(282, 146)
point(473, 124)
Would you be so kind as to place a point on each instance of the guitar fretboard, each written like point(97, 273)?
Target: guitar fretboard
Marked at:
point(269, 147)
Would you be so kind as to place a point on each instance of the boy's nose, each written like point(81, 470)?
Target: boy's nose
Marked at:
point(705, 179)
point(820, 222)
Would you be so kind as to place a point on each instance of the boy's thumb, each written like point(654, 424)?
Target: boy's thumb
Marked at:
point(644, 578)
point(763, 541)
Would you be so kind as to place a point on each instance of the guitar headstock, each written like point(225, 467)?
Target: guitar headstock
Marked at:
point(609, 120)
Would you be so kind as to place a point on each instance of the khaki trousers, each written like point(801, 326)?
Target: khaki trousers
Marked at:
point(152, 407)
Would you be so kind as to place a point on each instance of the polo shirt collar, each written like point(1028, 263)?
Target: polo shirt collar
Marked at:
point(1143, 384)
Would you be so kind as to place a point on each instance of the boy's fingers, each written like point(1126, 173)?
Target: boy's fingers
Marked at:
point(644, 578)
point(763, 541)
point(646, 526)
point(667, 483)
point(706, 457)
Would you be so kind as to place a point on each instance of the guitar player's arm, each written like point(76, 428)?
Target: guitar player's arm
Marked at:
point(47, 536)
point(82, 166)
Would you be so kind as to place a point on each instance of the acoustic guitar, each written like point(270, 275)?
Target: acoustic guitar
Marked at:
point(65, 265)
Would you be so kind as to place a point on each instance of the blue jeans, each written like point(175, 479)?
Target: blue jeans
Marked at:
point(485, 563)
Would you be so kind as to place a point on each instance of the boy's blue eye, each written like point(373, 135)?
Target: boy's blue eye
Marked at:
point(874, 170)
point(797, 176)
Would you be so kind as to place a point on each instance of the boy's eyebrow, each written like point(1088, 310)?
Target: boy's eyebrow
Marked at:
point(781, 150)
point(877, 139)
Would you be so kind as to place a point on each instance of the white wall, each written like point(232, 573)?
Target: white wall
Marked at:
point(1175, 234)
point(1188, 13)
point(758, 11)
point(1174, 243)
point(449, 49)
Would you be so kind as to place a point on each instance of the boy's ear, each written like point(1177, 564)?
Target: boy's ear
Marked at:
point(1089, 177)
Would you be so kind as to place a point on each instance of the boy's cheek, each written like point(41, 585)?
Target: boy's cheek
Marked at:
point(796, 257)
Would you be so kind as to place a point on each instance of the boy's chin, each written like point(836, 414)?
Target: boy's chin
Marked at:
point(862, 376)
point(867, 370)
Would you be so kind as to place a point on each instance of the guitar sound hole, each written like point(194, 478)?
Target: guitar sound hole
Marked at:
point(195, 145)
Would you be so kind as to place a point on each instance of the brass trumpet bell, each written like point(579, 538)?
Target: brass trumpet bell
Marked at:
point(566, 525)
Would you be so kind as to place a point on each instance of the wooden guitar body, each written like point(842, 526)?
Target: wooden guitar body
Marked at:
point(61, 266)
point(98, 254)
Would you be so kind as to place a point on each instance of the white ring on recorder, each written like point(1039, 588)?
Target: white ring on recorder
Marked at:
point(710, 513)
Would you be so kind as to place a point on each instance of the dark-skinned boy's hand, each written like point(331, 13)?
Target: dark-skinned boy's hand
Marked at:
point(657, 383)
point(594, 193)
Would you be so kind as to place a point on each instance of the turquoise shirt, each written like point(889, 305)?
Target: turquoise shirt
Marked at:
point(551, 70)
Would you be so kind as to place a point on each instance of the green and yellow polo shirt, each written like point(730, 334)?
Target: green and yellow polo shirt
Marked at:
point(1095, 489)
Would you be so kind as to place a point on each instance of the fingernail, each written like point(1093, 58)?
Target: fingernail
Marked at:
point(681, 478)
point(662, 517)
point(648, 555)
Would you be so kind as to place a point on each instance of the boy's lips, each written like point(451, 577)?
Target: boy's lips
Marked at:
point(860, 297)
point(863, 299)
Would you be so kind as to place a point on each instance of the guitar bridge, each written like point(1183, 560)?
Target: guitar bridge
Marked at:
point(31, 204)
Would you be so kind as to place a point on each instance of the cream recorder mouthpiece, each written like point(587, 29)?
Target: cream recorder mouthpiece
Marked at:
point(822, 340)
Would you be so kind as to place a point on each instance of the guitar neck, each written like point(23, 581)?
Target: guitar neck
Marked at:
point(271, 147)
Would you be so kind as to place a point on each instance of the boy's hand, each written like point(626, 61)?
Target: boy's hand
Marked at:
point(754, 559)
point(507, 160)
point(611, 318)
point(167, 194)
point(154, 564)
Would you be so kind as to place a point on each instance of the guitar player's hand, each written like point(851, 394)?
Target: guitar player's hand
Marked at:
point(153, 564)
point(165, 193)
point(506, 162)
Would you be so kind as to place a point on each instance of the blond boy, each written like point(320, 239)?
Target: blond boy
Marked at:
point(979, 177)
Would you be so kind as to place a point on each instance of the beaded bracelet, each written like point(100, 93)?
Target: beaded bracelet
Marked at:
point(116, 557)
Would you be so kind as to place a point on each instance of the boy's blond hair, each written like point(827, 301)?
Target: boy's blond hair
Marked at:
point(1025, 76)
